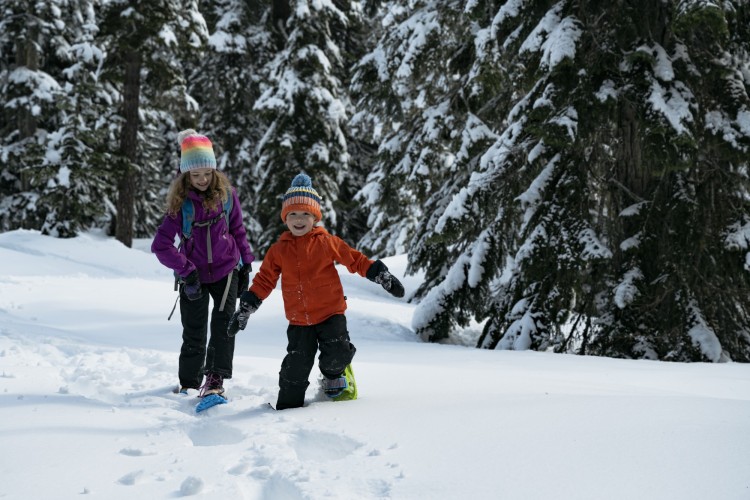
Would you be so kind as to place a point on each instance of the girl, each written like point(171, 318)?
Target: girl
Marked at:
point(213, 258)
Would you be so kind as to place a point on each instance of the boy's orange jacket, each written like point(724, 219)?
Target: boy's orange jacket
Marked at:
point(310, 283)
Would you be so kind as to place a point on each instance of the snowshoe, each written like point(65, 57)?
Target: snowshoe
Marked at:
point(210, 401)
point(342, 388)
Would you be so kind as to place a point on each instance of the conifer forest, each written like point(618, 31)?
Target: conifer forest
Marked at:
point(569, 176)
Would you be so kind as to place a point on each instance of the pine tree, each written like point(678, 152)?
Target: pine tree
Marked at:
point(226, 83)
point(409, 106)
point(304, 108)
point(690, 210)
point(73, 178)
point(571, 234)
point(29, 33)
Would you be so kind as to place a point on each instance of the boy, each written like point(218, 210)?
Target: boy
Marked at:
point(314, 300)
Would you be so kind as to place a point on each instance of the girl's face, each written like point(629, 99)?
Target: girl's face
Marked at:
point(300, 223)
point(200, 178)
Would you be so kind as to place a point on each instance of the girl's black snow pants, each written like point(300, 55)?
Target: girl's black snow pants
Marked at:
point(336, 352)
point(195, 359)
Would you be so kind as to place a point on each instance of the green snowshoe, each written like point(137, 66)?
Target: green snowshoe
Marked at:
point(343, 388)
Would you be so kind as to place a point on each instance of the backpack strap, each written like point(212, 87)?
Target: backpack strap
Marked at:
point(228, 205)
point(188, 217)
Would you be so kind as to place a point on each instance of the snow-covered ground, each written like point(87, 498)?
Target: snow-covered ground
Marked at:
point(88, 361)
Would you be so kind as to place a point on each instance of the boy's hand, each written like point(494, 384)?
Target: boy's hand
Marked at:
point(378, 273)
point(243, 277)
point(249, 303)
point(192, 288)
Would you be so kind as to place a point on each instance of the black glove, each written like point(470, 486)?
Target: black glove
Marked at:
point(380, 275)
point(243, 279)
point(192, 288)
point(249, 303)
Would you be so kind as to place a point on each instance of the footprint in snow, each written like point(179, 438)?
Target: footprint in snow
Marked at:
point(278, 487)
point(131, 478)
point(214, 433)
point(315, 446)
point(136, 452)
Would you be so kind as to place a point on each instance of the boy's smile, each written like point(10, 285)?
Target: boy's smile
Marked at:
point(300, 223)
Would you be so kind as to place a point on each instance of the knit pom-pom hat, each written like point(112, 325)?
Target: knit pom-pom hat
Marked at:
point(301, 197)
point(196, 151)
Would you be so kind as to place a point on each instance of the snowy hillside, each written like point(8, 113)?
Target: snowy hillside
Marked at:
point(88, 361)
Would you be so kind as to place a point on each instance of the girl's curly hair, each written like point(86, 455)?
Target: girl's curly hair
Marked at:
point(216, 194)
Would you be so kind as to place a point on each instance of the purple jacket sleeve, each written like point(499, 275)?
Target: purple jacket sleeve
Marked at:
point(164, 249)
point(237, 230)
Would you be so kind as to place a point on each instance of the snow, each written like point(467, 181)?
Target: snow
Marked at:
point(554, 36)
point(673, 103)
point(532, 197)
point(606, 91)
point(743, 121)
point(88, 361)
point(703, 336)
point(518, 336)
point(419, 29)
point(627, 291)
point(719, 123)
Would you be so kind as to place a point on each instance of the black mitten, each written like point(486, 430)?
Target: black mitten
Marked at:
point(192, 288)
point(378, 273)
point(243, 277)
point(249, 303)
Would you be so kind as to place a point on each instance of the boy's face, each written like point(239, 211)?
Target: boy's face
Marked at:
point(200, 178)
point(300, 223)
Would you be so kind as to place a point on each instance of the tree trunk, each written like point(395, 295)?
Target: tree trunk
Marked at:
point(128, 149)
point(27, 54)
point(281, 12)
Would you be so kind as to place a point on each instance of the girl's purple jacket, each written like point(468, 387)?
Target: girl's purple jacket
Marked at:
point(228, 244)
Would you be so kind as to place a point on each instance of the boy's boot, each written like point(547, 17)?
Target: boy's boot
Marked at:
point(342, 388)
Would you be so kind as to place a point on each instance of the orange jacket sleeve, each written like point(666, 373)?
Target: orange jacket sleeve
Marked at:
point(355, 262)
point(267, 276)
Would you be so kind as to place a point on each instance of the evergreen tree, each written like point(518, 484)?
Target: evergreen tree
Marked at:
point(610, 214)
point(304, 108)
point(29, 34)
point(74, 177)
point(226, 84)
point(420, 97)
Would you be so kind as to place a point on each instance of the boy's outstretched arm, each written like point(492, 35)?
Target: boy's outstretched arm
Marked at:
point(379, 273)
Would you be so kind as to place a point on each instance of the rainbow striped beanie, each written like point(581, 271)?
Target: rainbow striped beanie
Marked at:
point(196, 151)
point(301, 197)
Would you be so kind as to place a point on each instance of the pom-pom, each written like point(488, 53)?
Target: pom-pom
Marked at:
point(184, 134)
point(302, 180)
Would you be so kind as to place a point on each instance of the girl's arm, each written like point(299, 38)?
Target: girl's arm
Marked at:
point(164, 249)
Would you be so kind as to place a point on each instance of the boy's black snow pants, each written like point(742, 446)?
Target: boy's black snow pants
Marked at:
point(336, 352)
point(195, 359)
